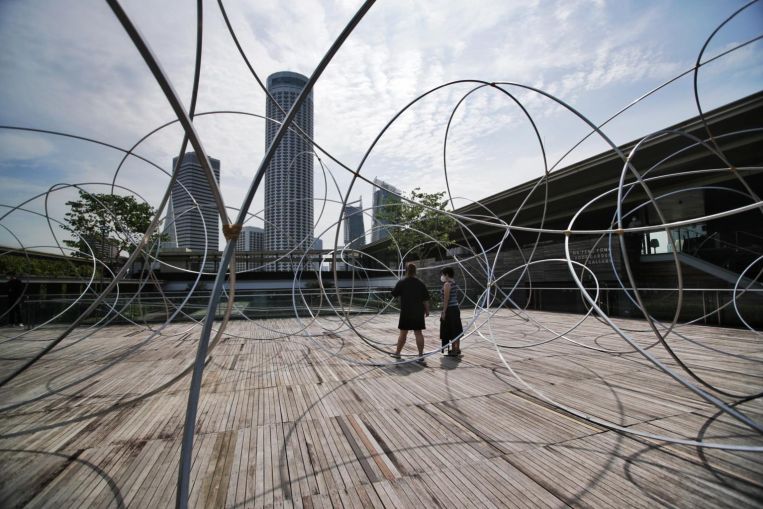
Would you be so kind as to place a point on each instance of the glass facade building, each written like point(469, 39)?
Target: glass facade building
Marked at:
point(184, 224)
point(354, 230)
point(384, 194)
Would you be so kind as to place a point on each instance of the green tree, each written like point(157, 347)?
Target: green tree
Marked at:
point(110, 223)
point(13, 263)
point(423, 230)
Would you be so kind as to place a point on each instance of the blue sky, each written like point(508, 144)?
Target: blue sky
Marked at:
point(67, 65)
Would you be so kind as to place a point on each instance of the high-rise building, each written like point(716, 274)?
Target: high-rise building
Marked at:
point(289, 178)
point(386, 201)
point(188, 224)
point(354, 231)
point(250, 239)
point(169, 239)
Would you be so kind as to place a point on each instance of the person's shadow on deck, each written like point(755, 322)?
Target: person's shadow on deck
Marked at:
point(449, 363)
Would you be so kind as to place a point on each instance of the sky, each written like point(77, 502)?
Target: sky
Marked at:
point(67, 65)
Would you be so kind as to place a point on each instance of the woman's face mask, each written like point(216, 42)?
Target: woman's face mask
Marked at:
point(443, 278)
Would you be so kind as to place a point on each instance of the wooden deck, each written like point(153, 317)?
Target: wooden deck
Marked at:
point(291, 421)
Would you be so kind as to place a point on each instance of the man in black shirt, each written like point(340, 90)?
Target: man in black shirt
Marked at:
point(414, 306)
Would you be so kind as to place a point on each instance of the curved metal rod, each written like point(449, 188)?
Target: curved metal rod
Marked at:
point(174, 100)
point(184, 470)
point(695, 74)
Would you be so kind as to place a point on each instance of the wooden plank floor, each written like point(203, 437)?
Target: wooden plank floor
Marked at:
point(288, 419)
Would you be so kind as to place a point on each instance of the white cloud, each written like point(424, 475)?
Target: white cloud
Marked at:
point(15, 145)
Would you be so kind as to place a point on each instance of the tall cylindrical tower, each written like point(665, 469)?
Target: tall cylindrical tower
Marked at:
point(289, 178)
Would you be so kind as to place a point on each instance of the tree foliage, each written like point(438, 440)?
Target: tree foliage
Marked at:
point(422, 231)
point(111, 224)
point(12, 263)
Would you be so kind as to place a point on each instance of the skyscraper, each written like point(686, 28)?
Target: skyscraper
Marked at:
point(385, 209)
point(289, 178)
point(354, 231)
point(170, 239)
point(188, 224)
point(250, 239)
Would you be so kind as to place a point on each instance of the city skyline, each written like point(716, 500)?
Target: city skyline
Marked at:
point(397, 53)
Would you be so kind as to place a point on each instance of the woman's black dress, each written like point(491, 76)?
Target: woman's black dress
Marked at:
point(451, 327)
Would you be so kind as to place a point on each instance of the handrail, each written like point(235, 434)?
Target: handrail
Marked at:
point(728, 244)
point(736, 234)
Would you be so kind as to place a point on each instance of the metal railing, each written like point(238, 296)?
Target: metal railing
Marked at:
point(710, 306)
point(155, 307)
point(707, 306)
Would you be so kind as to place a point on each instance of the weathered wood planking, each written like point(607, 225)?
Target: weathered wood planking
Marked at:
point(291, 421)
